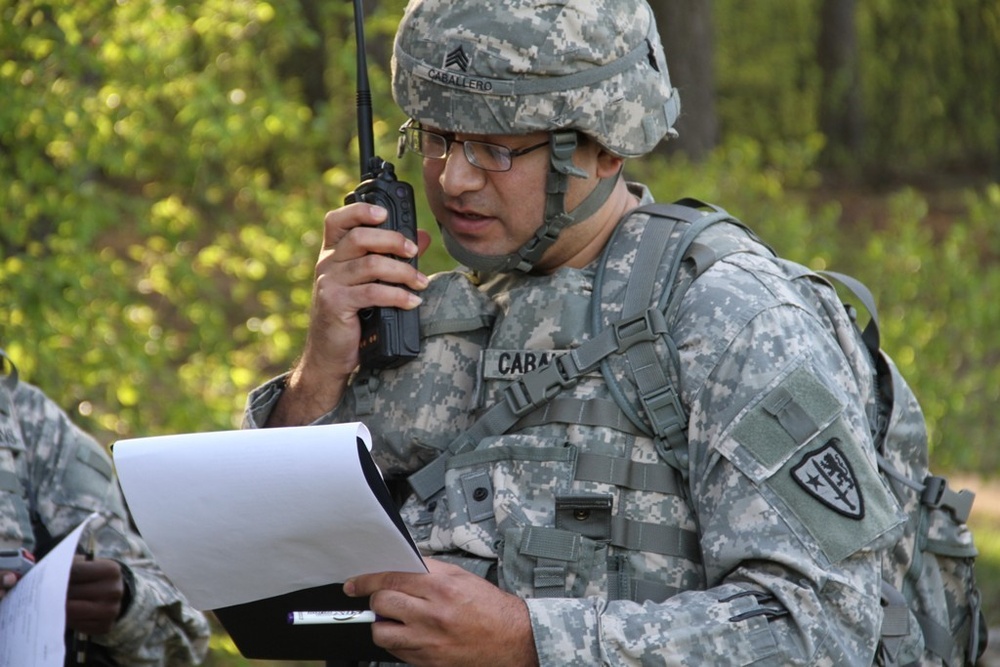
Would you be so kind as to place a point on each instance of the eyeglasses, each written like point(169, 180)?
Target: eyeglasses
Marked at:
point(491, 157)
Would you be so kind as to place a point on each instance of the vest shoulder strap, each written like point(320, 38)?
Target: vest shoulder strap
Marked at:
point(668, 256)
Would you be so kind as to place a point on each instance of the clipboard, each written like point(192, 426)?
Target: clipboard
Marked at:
point(261, 630)
point(294, 481)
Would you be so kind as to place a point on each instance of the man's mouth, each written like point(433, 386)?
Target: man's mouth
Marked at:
point(467, 221)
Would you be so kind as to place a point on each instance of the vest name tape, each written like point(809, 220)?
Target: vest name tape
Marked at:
point(512, 364)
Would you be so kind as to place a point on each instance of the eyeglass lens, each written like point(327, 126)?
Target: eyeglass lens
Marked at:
point(491, 157)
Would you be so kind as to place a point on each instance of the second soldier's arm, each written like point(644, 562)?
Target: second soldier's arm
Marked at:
point(71, 477)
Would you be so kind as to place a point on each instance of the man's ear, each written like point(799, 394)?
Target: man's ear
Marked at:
point(608, 164)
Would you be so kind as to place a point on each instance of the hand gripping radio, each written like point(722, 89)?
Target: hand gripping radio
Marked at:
point(389, 336)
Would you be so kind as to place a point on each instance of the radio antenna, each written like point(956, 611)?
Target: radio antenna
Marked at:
point(366, 141)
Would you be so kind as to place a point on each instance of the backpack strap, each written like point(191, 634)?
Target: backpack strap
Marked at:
point(656, 377)
point(933, 489)
point(895, 624)
point(870, 335)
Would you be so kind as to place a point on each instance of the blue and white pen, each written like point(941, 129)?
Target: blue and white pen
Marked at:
point(331, 617)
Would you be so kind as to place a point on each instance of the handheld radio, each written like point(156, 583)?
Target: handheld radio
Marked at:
point(389, 336)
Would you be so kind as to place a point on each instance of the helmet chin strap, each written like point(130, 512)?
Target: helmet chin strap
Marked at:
point(562, 145)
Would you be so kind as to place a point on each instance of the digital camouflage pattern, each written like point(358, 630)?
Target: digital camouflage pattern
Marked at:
point(765, 542)
point(622, 561)
point(455, 321)
point(933, 563)
point(52, 477)
point(517, 67)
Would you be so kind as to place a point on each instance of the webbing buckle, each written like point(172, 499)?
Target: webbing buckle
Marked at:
point(665, 412)
point(534, 389)
point(644, 327)
point(937, 494)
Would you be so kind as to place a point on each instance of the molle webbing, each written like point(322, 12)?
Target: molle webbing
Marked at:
point(553, 544)
point(442, 327)
point(626, 473)
point(534, 389)
point(555, 548)
point(580, 412)
point(622, 586)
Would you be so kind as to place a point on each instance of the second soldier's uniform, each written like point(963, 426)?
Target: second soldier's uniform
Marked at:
point(52, 477)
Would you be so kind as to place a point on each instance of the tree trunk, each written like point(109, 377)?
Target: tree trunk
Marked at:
point(685, 27)
point(840, 112)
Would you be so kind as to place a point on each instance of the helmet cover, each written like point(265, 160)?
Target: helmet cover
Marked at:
point(522, 66)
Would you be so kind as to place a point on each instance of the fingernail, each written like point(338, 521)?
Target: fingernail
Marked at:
point(349, 588)
point(410, 248)
point(378, 212)
point(414, 301)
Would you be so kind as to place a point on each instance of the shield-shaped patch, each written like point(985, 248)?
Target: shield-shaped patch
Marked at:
point(826, 475)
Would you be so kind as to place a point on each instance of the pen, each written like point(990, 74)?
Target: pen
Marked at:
point(331, 617)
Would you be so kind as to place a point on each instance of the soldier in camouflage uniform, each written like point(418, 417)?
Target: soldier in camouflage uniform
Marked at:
point(573, 538)
point(52, 477)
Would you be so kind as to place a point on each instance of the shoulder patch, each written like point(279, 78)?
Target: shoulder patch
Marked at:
point(826, 475)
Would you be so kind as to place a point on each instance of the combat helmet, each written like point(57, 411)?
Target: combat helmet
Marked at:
point(521, 66)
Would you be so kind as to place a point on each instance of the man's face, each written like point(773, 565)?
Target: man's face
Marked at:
point(495, 213)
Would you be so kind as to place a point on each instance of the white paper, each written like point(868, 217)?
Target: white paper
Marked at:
point(237, 516)
point(33, 613)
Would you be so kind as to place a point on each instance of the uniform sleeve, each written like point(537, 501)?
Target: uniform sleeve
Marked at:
point(782, 475)
point(72, 477)
point(261, 402)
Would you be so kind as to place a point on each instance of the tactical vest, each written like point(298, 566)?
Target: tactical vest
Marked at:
point(553, 482)
point(573, 378)
point(559, 471)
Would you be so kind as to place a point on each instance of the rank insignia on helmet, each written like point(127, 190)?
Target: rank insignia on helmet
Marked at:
point(827, 476)
point(456, 57)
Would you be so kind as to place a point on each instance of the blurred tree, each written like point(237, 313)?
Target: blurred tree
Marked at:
point(840, 110)
point(931, 100)
point(686, 29)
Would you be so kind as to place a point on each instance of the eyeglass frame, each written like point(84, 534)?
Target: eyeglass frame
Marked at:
point(467, 147)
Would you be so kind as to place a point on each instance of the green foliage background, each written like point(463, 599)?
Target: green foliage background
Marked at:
point(165, 166)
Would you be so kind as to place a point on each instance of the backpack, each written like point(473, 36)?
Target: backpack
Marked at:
point(928, 575)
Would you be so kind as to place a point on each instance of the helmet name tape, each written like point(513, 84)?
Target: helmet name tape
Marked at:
point(475, 84)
